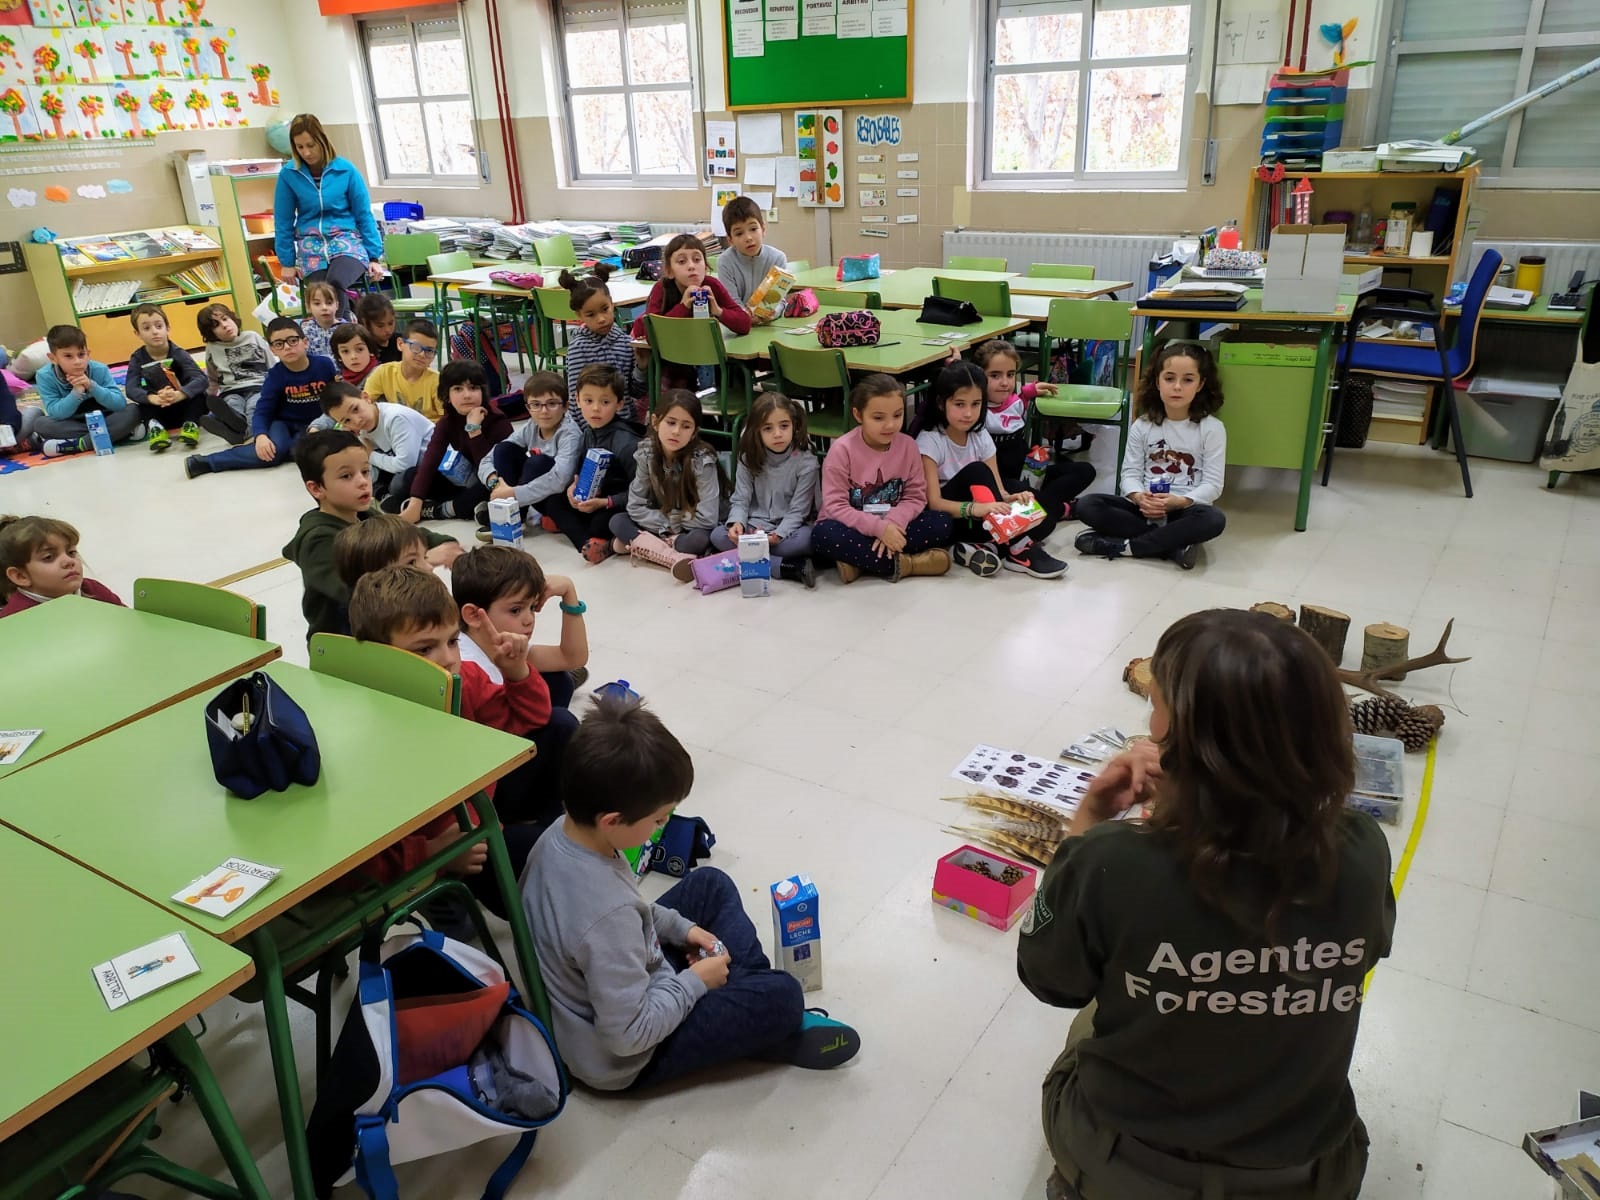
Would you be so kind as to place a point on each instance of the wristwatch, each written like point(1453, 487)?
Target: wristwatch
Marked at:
point(474, 427)
point(574, 610)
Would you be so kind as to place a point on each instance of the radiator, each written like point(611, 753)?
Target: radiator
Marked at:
point(1561, 259)
point(1113, 256)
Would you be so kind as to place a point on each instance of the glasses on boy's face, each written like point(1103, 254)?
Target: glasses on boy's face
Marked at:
point(418, 347)
point(284, 343)
point(546, 405)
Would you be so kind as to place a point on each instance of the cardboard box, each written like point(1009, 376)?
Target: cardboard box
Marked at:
point(766, 302)
point(1565, 1153)
point(592, 474)
point(505, 523)
point(1358, 283)
point(755, 565)
point(1337, 162)
point(99, 435)
point(1305, 266)
point(194, 185)
point(990, 900)
point(797, 930)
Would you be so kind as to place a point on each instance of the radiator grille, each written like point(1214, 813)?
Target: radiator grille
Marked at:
point(1113, 256)
point(1561, 259)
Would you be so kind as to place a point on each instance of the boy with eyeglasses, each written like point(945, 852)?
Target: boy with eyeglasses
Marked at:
point(412, 381)
point(539, 460)
point(291, 398)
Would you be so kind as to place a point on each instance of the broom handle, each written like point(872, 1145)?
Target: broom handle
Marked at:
point(1288, 36)
point(1305, 35)
point(1521, 102)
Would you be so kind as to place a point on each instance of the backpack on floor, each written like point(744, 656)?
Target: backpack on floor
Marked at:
point(468, 341)
point(435, 1054)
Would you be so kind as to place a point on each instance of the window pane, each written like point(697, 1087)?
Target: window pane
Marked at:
point(442, 63)
point(664, 125)
point(405, 149)
point(659, 53)
point(1570, 16)
point(1035, 122)
point(1464, 18)
point(1560, 130)
point(1141, 32)
point(1432, 96)
point(1135, 119)
point(1053, 38)
point(450, 136)
point(594, 58)
point(600, 129)
point(392, 73)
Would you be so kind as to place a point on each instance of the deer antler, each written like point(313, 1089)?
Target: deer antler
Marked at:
point(1367, 681)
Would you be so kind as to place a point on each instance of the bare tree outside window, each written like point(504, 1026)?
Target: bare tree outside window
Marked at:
point(418, 82)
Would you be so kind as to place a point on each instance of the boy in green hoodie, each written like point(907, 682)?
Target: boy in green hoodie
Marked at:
point(333, 463)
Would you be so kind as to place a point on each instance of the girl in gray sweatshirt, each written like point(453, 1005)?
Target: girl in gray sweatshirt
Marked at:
point(677, 490)
point(775, 484)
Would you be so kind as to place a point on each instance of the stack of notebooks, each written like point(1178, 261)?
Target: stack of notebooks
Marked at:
point(1399, 399)
point(1202, 295)
point(101, 294)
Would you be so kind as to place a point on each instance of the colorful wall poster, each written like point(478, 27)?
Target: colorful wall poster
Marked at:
point(819, 145)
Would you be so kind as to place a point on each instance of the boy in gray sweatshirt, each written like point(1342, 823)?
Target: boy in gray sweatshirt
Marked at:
point(642, 993)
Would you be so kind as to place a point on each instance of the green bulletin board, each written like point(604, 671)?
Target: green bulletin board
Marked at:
point(811, 71)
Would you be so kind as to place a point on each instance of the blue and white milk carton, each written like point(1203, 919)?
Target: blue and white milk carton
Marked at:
point(755, 564)
point(99, 435)
point(505, 522)
point(797, 930)
point(592, 474)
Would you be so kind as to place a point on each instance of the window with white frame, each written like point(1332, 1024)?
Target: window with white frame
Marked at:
point(421, 92)
point(629, 94)
point(1453, 60)
point(1093, 91)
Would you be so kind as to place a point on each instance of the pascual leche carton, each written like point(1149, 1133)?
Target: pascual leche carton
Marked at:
point(797, 930)
point(505, 523)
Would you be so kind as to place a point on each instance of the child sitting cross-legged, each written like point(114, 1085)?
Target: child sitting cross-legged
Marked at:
point(40, 560)
point(675, 500)
point(446, 484)
point(164, 382)
point(323, 303)
point(411, 379)
point(71, 386)
point(333, 464)
point(587, 523)
point(236, 364)
point(536, 463)
point(644, 993)
point(598, 338)
point(774, 487)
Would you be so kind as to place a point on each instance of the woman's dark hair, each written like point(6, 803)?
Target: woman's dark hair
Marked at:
point(946, 384)
point(752, 450)
point(1147, 401)
point(350, 332)
point(1256, 762)
point(874, 385)
point(671, 293)
point(582, 289)
point(672, 485)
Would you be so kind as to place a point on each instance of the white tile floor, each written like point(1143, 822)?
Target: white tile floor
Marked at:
point(823, 726)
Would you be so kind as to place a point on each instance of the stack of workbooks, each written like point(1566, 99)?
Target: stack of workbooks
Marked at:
point(1202, 295)
point(199, 278)
point(101, 294)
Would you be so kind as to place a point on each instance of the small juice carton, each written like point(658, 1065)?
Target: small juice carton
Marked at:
point(505, 523)
point(700, 301)
point(797, 930)
point(592, 474)
point(99, 435)
point(1034, 466)
point(755, 565)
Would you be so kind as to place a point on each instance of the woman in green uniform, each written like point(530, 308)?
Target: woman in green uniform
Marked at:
point(1218, 950)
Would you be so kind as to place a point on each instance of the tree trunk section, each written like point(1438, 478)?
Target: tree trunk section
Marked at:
point(1382, 645)
point(1328, 627)
point(1273, 609)
point(1138, 678)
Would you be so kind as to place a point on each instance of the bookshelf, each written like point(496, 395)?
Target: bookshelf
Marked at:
point(239, 197)
point(76, 287)
point(1375, 191)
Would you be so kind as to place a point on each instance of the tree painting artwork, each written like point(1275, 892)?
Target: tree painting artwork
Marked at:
point(159, 49)
point(54, 107)
point(47, 64)
point(161, 101)
point(90, 49)
point(160, 11)
point(126, 49)
point(8, 49)
point(13, 103)
point(130, 104)
point(192, 10)
point(191, 48)
point(261, 73)
point(197, 102)
point(230, 107)
point(93, 108)
point(219, 47)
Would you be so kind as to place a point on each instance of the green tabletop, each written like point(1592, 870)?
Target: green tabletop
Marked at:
point(1537, 313)
point(62, 1037)
point(95, 666)
point(626, 290)
point(1251, 313)
point(388, 767)
point(908, 287)
point(900, 349)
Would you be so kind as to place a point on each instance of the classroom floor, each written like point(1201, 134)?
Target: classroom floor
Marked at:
point(824, 726)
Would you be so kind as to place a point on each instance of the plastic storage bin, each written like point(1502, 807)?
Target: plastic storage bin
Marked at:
point(1506, 418)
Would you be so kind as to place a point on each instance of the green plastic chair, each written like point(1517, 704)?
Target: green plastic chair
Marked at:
point(1059, 271)
point(406, 255)
point(991, 297)
point(1089, 404)
point(555, 251)
point(447, 312)
point(386, 669)
point(553, 310)
point(814, 375)
point(842, 298)
point(696, 342)
point(201, 604)
point(268, 278)
point(966, 262)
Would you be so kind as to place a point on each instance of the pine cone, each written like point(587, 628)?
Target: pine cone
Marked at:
point(1385, 717)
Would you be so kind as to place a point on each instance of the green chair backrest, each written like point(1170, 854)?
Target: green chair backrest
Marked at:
point(841, 298)
point(386, 669)
point(1100, 320)
point(409, 249)
point(554, 304)
point(809, 370)
point(201, 604)
point(687, 341)
point(455, 260)
point(991, 297)
point(966, 262)
point(1059, 271)
point(555, 251)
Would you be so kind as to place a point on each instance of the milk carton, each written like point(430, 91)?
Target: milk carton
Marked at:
point(797, 930)
point(505, 522)
point(755, 564)
point(98, 433)
point(592, 474)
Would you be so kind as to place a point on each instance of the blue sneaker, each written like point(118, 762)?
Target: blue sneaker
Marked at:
point(821, 1042)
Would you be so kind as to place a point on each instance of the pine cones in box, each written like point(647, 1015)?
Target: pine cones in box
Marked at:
point(1383, 717)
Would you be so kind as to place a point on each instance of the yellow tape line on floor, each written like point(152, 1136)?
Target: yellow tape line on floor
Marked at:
point(1410, 851)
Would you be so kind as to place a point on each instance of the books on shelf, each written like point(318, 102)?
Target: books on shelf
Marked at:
point(199, 278)
point(142, 245)
point(99, 250)
point(1399, 399)
point(188, 241)
point(100, 294)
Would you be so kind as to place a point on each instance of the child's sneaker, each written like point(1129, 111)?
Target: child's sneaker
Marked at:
point(597, 550)
point(484, 536)
point(1185, 556)
point(59, 447)
point(160, 440)
point(189, 435)
point(1036, 561)
point(548, 524)
point(981, 560)
point(480, 514)
point(196, 464)
point(1090, 542)
point(821, 1043)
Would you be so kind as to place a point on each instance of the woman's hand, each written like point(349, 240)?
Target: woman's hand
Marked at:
point(289, 274)
point(375, 271)
point(1126, 780)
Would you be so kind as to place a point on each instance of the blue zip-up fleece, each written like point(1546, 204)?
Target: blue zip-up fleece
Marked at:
point(334, 202)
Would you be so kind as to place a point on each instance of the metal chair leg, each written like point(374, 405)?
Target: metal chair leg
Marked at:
point(1455, 436)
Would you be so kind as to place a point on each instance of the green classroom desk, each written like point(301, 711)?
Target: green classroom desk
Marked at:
point(1251, 318)
point(108, 666)
point(898, 326)
point(62, 1037)
point(389, 766)
point(910, 286)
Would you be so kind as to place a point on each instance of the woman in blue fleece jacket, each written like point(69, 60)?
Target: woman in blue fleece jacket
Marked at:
point(323, 214)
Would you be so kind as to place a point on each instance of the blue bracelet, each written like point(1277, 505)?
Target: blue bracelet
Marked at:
point(574, 610)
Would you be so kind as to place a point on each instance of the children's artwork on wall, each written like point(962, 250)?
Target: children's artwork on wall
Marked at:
point(197, 103)
point(88, 48)
point(48, 52)
point(50, 12)
point(230, 104)
point(19, 120)
point(819, 144)
point(263, 94)
point(58, 119)
point(127, 52)
point(96, 116)
point(129, 101)
point(161, 101)
point(15, 69)
point(165, 56)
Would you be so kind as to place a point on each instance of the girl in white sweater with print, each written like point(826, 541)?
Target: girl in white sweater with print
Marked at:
point(1172, 470)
